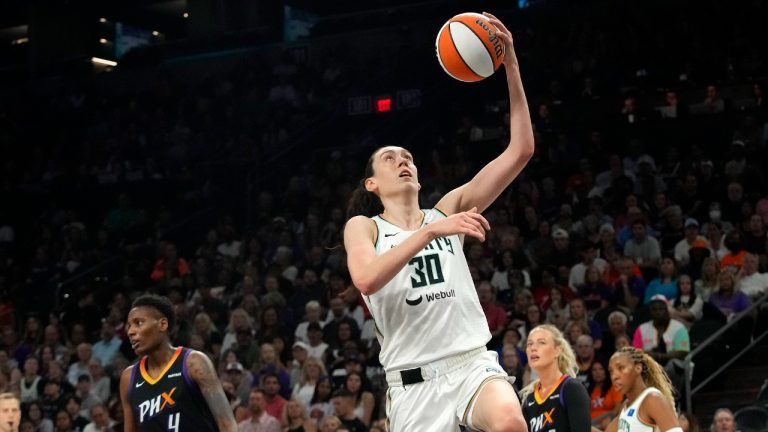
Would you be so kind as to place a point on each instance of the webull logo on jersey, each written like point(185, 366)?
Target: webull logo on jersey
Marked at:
point(151, 407)
point(440, 295)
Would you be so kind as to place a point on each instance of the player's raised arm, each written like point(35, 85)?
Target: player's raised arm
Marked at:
point(201, 370)
point(497, 175)
point(125, 382)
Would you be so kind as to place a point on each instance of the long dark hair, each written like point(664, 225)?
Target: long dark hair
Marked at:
point(606, 385)
point(363, 202)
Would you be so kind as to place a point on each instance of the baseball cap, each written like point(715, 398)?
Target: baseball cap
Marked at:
point(660, 297)
point(300, 344)
point(691, 222)
point(234, 366)
point(559, 233)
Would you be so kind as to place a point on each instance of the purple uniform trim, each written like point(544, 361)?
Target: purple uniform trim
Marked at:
point(185, 371)
point(132, 382)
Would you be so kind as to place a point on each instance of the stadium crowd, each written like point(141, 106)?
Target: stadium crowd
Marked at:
point(642, 215)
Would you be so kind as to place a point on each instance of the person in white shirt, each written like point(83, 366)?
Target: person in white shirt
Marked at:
point(751, 282)
point(100, 420)
point(588, 258)
point(312, 312)
point(692, 239)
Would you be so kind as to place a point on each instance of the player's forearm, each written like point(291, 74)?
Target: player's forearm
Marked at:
point(520, 128)
point(383, 268)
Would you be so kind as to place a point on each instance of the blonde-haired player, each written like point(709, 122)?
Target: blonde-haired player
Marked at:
point(555, 400)
point(649, 404)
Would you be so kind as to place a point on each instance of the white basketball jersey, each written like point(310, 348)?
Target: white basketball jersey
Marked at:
point(429, 310)
point(628, 420)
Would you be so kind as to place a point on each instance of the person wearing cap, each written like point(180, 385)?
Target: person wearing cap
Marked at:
point(692, 240)
point(240, 379)
point(665, 339)
point(563, 254)
point(299, 353)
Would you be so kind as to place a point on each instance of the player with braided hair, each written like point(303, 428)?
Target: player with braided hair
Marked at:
point(649, 402)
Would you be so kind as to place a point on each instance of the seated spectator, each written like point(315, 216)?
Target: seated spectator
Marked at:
point(260, 420)
point(88, 398)
point(723, 421)
point(170, 265)
point(344, 408)
point(295, 418)
point(533, 318)
point(574, 330)
point(72, 405)
point(495, 315)
point(28, 384)
point(585, 356)
point(751, 282)
point(578, 312)
point(274, 403)
point(665, 284)
point(665, 339)
point(606, 401)
point(239, 320)
point(80, 367)
point(756, 238)
point(508, 269)
point(510, 362)
point(692, 239)
point(709, 281)
point(363, 399)
point(100, 420)
point(269, 364)
point(34, 413)
point(688, 307)
point(589, 259)
point(320, 404)
point(304, 389)
point(330, 423)
point(211, 338)
point(729, 299)
point(337, 313)
point(629, 289)
point(557, 311)
point(617, 326)
point(643, 249)
point(240, 378)
point(734, 259)
point(312, 311)
point(597, 295)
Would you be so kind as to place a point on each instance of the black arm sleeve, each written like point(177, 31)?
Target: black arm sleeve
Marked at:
point(577, 404)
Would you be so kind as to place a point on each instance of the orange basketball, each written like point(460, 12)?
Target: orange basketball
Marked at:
point(468, 48)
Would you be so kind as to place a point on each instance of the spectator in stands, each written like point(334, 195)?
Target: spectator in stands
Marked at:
point(320, 405)
point(642, 249)
point(363, 399)
point(665, 339)
point(100, 383)
point(330, 423)
point(84, 354)
point(510, 362)
point(597, 295)
point(709, 281)
point(269, 364)
point(88, 399)
point(72, 405)
point(106, 348)
point(100, 420)
point(723, 421)
point(617, 326)
point(729, 299)
point(317, 347)
point(299, 353)
point(494, 314)
point(304, 389)
point(34, 414)
point(606, 401)
point(734, 259)
point(629, 288)
point(274, 403)
point(665, 284)
point(687, 306)
point(259, 421)
point(52, 339)
point(563, 254)
point(246, 349)
point(170, 266)
point(28, 384)
point(756, 238)
point(589, 258)
point(713, 103)
point(239, 320)
point(240, 378)
point(312, 312)
point(344, 408)
point(338, 312)
point(751, 282)
point(295, 418)
point(578, 312)
point(585, 356)
point(692, 239)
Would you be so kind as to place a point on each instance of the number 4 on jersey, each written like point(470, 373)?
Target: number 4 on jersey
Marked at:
point(173, 422)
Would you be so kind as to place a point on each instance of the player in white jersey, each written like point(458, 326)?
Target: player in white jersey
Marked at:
point(409, 264)
point(649, 404)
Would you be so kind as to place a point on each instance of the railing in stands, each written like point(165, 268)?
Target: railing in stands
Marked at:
point(688, 361)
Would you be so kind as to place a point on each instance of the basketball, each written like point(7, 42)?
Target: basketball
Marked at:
point(468, 48)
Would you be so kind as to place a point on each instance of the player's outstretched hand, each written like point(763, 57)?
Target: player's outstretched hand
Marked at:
point(510, 58)
point(469, 223)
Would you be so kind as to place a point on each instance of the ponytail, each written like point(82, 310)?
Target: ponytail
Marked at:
point(363, 202)
point(653, 373)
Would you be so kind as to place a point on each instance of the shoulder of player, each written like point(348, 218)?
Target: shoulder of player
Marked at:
point(653, 398)
point(198, 364)
point(360, 221)
point(358, 227)
point(125, 377)
point(574, 387)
